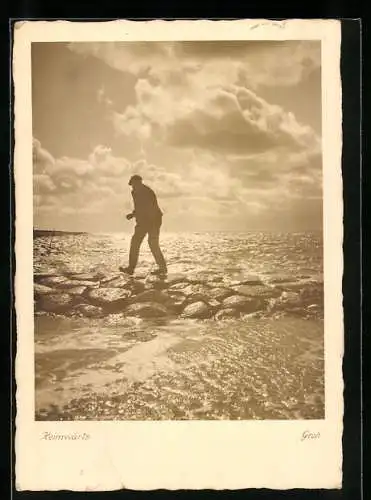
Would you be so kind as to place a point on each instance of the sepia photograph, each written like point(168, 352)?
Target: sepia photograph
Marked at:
point(178, 243)
point(178, 230)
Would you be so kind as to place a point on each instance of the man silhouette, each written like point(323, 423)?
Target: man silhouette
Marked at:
point(148, 218)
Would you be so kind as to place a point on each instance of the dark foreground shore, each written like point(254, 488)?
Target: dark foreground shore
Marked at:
point(183, 369)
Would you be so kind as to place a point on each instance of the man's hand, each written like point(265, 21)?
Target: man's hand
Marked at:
point(129, 216)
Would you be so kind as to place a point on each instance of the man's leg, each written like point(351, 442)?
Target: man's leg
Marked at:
point(153, 241)
point(135, 243)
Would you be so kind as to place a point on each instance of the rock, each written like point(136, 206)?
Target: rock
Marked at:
point(312, 290)
point(282, 278)
point(178, 299)
point(78, 290)
point(315, 310)
point(42, 290)
point(121, 281)
point(314, 307)
point(198, 310)
point(289, 297)
point(175, 294)
point(242, 303)
point(65, 282)
point(310, 300)
point(126, 283)
point(135, 286)
point(179, 304)
point(216, 279)
point(220, 293)
point(113, 276)
point(88, 310)
point(109, 277)
point(152, 296)
point(197, 297)
point(233, 269)
point(193, 289)
point(41, 276)
point(53, 281)
point(247, 280)
point(307, 287)
point(251, 280)
point(197, 279)
point(286, 301)
point(86, 276)
point(155, 282)
point(312, 295)
point(291, 286)
point(78, 283)
point(58, 302)
point(179, 286)
point(173, 279)
point(258, 291)
point(147, 310)
point(227, 313)
point(233, 282)
point(295, 311)
point(109, 297)
point(248, 316)
point(215, 304)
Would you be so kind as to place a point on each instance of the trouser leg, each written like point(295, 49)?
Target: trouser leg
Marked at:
point(135, 244)
point(154, 245)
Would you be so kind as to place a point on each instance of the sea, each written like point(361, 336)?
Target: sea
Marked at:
point(255, 367)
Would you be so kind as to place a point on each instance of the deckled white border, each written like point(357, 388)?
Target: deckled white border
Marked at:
point(180, 455)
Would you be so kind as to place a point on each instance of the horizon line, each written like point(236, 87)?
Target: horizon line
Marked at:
point(182, 231)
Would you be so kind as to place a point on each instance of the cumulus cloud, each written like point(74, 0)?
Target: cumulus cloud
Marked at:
point(207, 189)
point(132, 57)
point(271, 166)
point(132, 123)
point(42, 159)
point(43, 184)
point(228, 119)
point(278, 180)
point(102, 97)
point(206, 94)
point(210, 62)
point(65, 183)
point(99, 185)
point(106, 165)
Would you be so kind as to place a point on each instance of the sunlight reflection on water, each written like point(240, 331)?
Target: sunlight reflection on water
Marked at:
point(129, 368)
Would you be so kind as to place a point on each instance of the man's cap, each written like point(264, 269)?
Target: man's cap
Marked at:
point(135, 178)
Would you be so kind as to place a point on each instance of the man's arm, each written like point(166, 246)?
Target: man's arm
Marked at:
point(132, 213)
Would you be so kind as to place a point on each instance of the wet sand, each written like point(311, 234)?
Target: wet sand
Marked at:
point(134, 369)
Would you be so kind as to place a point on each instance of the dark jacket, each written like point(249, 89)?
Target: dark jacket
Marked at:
point(146, 209)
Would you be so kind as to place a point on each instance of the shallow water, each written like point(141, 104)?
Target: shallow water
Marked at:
point(140, 369)
point(229, 254)
point(129, 368)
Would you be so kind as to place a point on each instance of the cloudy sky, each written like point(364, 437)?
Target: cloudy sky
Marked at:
point(227, 133)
